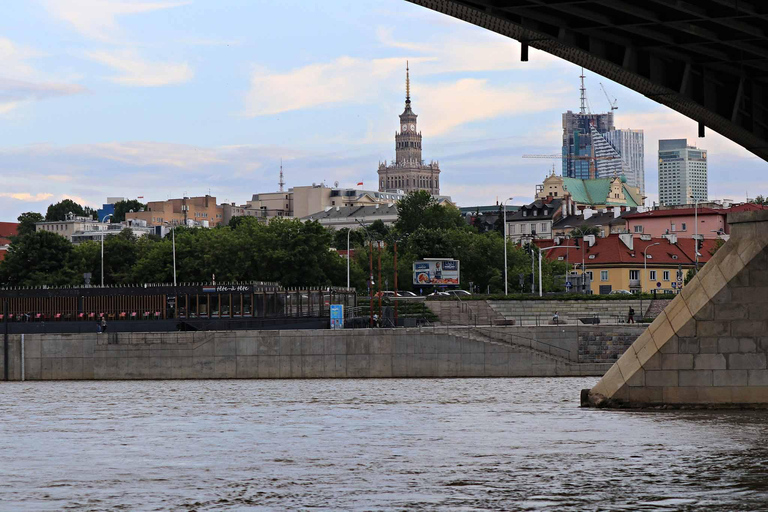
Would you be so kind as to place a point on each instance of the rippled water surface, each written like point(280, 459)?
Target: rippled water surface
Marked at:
point(467, 444)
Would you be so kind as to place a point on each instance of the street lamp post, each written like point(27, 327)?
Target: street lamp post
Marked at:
point(506, 284)
point(102, 248)
point(696, 230)
point(173, 242)
point(541, 292)
point(349, 230)
point(645, 274)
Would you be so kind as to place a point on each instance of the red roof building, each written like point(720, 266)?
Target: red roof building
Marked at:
point(629, 262)
point(7, 230)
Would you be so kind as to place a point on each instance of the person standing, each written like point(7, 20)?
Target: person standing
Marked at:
point(98, 326)
point(103, 323)
point(631, 316)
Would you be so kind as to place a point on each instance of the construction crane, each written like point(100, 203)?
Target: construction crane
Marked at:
point(611, 103)
point(591, 159)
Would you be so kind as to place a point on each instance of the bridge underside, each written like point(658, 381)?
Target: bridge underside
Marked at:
point(706, 59)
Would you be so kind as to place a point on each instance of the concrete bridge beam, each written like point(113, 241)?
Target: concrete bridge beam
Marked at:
point(709, 347)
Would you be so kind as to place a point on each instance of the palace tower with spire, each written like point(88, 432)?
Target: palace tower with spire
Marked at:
point(408, 172)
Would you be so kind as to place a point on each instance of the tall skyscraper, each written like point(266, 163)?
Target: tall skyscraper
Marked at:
point(630, 146)
point(578, 142)
point(615, 152)
point(682, 172)
point(408, 171)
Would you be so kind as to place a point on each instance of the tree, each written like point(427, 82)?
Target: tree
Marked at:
point(59, 211)
point(37, 259)
point(123, 207)
point(420, 209)
point(718, 244)
point(582, 231)
point(760, 200)
point(27, 222)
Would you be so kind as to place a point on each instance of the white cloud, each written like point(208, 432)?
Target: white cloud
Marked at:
point(344, 80)
point(449, 105)
point(21, 82)
point(26, 196)
point(139, 72)
point(489, 193)
point(96, 19)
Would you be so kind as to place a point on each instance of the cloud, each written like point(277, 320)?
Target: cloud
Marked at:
point(449, 105)
point(343, 80)
point(96, 19)
point(139, 72)
point(26, 196)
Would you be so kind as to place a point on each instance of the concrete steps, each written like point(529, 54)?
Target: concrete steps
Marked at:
point(533, 312)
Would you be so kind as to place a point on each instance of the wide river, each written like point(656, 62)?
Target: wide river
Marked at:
point(465, 444)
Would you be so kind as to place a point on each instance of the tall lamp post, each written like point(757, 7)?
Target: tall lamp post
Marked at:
point(173, 241)
point(541, 291)
point(645, 274)
point(102, 248)
point(696, 230)
point(506, 284)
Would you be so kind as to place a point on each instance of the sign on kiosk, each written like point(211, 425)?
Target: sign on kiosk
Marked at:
point(436, 271)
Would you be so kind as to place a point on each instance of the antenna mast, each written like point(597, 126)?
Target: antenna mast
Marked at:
point(583, 93)
point(282, 181)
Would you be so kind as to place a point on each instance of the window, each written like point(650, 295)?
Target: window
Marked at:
point(589, 273)
point(543, 227)
point(603, 275)
point(652, 275)
point(634, 275)
point(638, 229)
point(683, 226)
point(666, 275)
point(673, 227)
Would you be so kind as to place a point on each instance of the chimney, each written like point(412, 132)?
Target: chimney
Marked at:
point(616, 212)
point(377, 206)
point(590, 240)
point(627, 239)
point(587, 213)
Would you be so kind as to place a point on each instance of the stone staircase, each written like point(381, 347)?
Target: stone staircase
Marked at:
point(469, 312)
point(540, 312)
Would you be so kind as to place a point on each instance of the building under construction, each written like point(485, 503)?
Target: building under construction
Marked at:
point(593, 148)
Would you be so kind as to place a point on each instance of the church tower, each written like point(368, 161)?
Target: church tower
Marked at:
point(408, 171)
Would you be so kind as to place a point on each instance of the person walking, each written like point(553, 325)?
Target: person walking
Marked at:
point(631, 316)
point(98, 326)
point(103, 323)
point(556, 318)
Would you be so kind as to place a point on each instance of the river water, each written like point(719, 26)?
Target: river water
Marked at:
point(463, 444)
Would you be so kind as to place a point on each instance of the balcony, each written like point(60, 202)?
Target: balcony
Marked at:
point(634, 283)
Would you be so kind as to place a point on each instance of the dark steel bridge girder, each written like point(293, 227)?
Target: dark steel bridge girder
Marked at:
point(707, 59)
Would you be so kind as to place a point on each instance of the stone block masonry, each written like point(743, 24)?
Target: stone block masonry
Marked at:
point(709, 347)
point(309, 354)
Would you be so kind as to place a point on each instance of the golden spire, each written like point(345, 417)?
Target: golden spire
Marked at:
point(407, 83)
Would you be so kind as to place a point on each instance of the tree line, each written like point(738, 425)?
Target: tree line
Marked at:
point(290, 252)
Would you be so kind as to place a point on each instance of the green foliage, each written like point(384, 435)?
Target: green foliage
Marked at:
point(420, 209)
point(27, 222)
point(356, 238)
point(123, 207)
point(59, 211)
point(36, 259)
point(582, 231)
point(760, 200)
point(718, 244)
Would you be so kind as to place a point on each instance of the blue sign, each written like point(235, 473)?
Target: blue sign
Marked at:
point(674, 285)
point(568, 284)
point(658, 285)
point(450, 265)
point(337, 316)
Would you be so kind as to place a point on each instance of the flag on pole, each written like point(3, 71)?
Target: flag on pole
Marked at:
point(140, 197)
point(360, 184)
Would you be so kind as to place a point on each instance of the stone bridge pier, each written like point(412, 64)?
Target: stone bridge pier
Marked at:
point(709, 348)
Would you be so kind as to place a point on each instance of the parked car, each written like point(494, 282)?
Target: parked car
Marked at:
point(620, 292)
point(439, 294)
point(459, 293)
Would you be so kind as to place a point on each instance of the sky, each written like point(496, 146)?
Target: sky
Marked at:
point(164, 98)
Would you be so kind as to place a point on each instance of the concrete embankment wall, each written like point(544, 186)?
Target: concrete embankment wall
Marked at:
point(364, 353)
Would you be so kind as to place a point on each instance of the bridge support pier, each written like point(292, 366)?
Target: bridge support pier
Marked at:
point(709, 348)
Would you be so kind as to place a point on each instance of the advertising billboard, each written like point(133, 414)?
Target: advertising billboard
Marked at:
point(437, 272)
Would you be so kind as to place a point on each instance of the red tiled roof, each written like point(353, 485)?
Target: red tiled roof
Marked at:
point(612, 251)
point(747, 207)
point(675, 213)
point(8, 229)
